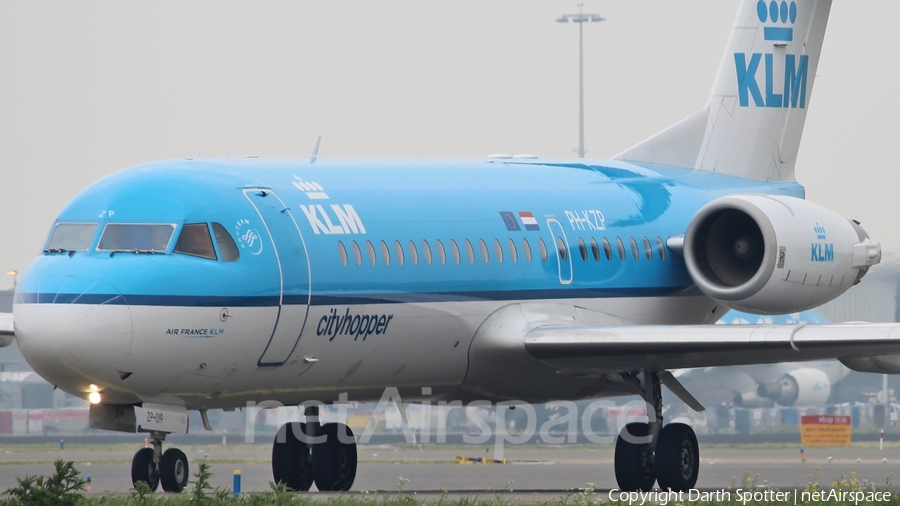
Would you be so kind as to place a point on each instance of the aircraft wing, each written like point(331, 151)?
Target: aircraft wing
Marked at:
point(597, 350)
point(7, 331)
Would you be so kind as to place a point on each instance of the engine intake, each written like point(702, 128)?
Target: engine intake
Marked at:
point(730, 247)
point(802, 387)
point(773, 254)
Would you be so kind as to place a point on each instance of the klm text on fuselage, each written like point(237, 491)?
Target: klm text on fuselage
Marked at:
point(792, 93)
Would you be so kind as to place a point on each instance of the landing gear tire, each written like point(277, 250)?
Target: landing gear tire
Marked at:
point(677, 458)
point(634, 460)
point(291, 459)
point(335, 458)
point(143, 469)
point(173, 470)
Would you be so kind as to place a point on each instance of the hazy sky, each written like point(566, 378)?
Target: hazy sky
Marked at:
point(89, 88)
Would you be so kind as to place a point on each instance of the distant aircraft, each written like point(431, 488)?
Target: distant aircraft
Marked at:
point(206, 284)
point(766, 385)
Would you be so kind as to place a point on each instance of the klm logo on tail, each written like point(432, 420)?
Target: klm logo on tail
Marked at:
point(778, 19)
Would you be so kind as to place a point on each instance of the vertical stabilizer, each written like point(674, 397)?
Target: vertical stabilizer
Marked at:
point(752, 125)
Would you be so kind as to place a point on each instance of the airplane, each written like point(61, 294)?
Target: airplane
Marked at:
point(791, 384)
point(203, 284)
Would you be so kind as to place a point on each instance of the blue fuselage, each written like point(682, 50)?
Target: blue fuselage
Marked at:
point(333, 249)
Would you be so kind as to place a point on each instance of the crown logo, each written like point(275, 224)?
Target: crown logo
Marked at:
point(820, 231)
point(312, 190)
point(777, 13)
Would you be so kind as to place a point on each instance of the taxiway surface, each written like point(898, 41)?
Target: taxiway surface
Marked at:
point(542, 470)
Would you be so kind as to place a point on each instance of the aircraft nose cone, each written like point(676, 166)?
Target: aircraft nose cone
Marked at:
point(71, 324)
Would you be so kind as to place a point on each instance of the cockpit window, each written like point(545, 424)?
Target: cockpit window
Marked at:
point(71, 237)
point(138, 237)
point(227, 248)
point(195, 241)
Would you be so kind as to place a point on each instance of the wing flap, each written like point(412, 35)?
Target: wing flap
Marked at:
point(599, 350)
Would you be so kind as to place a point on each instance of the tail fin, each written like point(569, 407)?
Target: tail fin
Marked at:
point(752, 124)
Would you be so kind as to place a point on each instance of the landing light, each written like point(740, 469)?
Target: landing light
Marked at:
point(94, 397)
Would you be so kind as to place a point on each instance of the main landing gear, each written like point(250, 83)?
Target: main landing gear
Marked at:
point(649, 452)
point(307, 453)
point(152, 466)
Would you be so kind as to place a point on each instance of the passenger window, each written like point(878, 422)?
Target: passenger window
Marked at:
point(563, 252)
point(413, 253)
point(357, 254)
point(634, 249)
point(513, 254)
point(455, 249)
point(227, 248)
point(661, 248)
point(470, 252)
point(195, 241)
point(426, 250)
point(442, 254)
point(398, 249)
point(648, 249)
point(526, 248)
point(71, 237)
point(607, 249)
point(371, 251)
point(137, 237)
point(385, 253)
point(342, 252)
point(543, 249)
point(499, 251)
point(484, 250)
point(582, 248)
point(595, 249)
point(621, 247)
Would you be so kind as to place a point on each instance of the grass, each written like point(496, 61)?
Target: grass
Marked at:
point(65, 487)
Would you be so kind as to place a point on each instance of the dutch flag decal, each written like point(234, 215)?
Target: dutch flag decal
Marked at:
point(528, 220)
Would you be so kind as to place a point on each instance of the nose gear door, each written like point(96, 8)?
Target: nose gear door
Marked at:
point(293, 271)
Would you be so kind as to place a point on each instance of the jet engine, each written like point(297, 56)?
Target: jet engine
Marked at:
point(774, 254)
point(751, 400)
point(800, 387)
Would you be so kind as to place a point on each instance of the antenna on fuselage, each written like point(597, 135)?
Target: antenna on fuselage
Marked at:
point(315, 152)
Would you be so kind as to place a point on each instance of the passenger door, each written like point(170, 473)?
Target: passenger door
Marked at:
point(293, 270)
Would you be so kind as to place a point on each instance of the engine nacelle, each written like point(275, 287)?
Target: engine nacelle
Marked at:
point(774, 254)
point(751, 400)
point(800, 387)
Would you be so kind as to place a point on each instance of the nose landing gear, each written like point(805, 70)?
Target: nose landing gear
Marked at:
point(307, 453)
point(152, 466)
